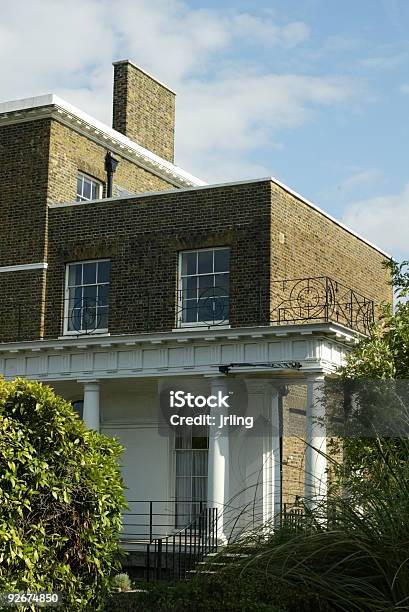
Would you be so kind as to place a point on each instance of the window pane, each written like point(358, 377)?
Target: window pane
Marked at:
point(74, 274)
point(206, 284)
point(222, 284)
point(221, 260)
point(102, 318)
point(190, 287)
point(184, 463)
point(79, 186)
point(189, 263)
point(90, 273)
point(103, 271)
point(94, 191)
point(103, 294)
point(75, 297)
point(199, 492)
point(78, 407)
point(90, 295)
point(205, 262)
point(189, 311)
point(74, 319)
point(89, 318)
point(221, 309)
point(205, 310)
point(199, 442)
point(200, 463)
point(87, 189)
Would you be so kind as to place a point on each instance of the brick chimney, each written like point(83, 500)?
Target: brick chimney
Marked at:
point(144, 109)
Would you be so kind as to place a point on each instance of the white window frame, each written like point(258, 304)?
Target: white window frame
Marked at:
point(66, 331)
point(98, 183)
point(180, 323)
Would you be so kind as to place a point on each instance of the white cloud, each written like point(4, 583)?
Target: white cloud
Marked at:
point(384, 220)
point(225, 111)
point(384, 62)
point(267, 32)
point(405, 88)
point(360, 178)
point(239, 113)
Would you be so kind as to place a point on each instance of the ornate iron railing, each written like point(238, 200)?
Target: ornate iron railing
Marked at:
point(286, 301)
point(320, 299)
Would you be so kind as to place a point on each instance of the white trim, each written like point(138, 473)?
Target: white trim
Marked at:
point(76, 333)
point(31, 266)
point(193, 324)
point(335, 330)
point(39, 107)
point(232, 184)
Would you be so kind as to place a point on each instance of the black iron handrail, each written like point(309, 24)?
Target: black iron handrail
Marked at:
point(170, 552)
point(157, 518)
point(174, 557)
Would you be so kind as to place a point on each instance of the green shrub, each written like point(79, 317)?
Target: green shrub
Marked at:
point(61, 496)
point(122, 582)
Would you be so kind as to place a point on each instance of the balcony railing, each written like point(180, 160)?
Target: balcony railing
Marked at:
point(287, 302)
point(320, 299)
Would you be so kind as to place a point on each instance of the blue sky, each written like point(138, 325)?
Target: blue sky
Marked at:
point(313, 92)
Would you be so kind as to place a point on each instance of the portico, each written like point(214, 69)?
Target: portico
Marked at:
point(118, 379)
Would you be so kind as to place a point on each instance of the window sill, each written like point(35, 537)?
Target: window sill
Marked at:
point(100, 334)
point(199, 327)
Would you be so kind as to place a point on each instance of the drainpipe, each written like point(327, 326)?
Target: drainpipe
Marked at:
point(111, 164)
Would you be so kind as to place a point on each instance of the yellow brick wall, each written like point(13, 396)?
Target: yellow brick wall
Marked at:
point(71, 152)
point(305, 243)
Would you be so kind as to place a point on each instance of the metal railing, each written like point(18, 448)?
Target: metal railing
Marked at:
point(287, 301)
point(169, 553)
point(149, 519)
point(320, 299)
point(174, 556)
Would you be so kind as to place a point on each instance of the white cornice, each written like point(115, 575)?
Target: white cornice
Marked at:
point(337, 331)
point(50, 105)
point(322, 352)
point(42, 265)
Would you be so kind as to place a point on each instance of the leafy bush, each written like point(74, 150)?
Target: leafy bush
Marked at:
point(122, 582)
point(61, 496)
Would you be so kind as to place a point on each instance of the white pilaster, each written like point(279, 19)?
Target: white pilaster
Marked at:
point(275, 456)
point(315, 452)
point(218, 462)
point(91, 405)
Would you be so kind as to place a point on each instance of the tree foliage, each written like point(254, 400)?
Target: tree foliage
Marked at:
point(61, 496)
point(385, 353)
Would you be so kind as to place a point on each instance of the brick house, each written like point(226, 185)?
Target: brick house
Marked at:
point(123, 276)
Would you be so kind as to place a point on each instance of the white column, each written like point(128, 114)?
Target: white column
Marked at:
point(315, 452)
point(218, 462)
point(91, 405)
point(275, 456)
